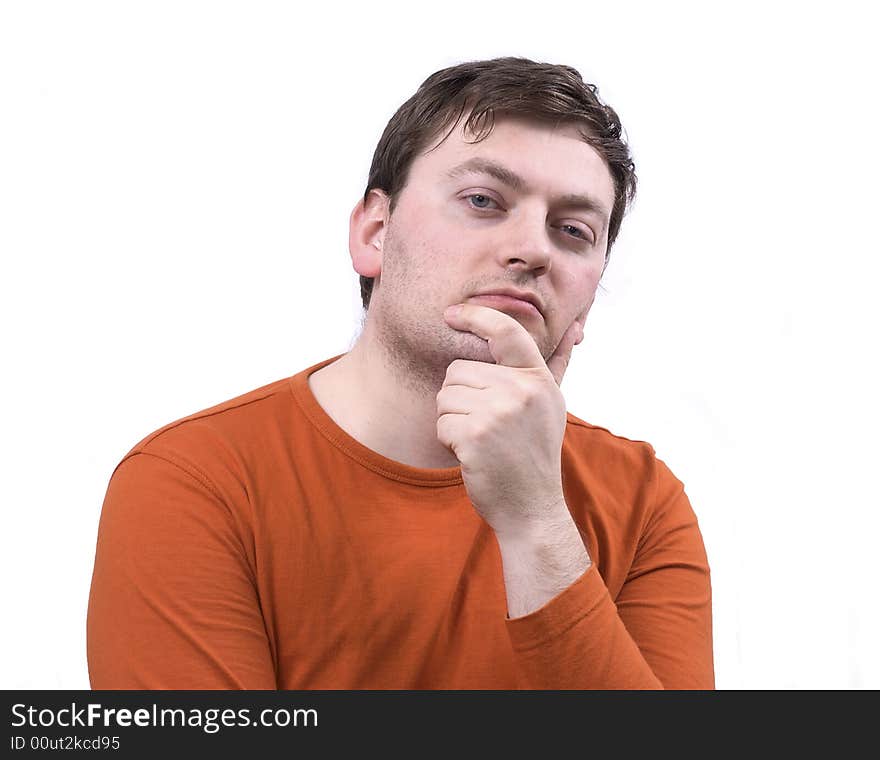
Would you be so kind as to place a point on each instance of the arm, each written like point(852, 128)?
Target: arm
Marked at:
point(505, 422)
point(541, 561)
point(657, 633)
point(173, 601)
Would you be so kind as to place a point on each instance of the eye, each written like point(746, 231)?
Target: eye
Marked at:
point(481, 197)
point(583, 234)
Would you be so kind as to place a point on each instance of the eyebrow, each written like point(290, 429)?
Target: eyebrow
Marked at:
point(512, 179)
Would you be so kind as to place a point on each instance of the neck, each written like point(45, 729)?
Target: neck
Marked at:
point(386, 401)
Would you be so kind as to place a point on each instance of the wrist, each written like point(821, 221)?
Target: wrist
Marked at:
point(552, 544)
point(539, 560)
point(534, 526)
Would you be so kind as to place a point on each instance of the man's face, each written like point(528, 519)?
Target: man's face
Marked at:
point(458, 231)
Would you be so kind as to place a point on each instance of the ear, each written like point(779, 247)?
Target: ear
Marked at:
point(366, 233)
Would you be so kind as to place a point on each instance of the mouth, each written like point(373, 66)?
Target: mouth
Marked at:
point(527, 304)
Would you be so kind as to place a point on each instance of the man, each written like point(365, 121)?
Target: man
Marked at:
point(422, 512)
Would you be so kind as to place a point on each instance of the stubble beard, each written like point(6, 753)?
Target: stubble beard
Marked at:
point(409, 329)
point(419, 347)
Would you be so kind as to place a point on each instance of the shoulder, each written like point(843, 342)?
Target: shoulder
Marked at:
point(617, 455)
point(627, 464)
point(220, 434)
point(618, 477)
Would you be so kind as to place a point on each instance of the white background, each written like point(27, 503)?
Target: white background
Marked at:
point(175, 185)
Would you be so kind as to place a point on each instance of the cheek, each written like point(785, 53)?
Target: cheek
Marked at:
point(582, 284)
point(431, 240)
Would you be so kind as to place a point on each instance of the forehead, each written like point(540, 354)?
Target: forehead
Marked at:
point(548, 158)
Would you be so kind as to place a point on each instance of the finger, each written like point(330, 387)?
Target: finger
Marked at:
point(558, 362)
point(474, 374)
point(457, 399)
point(450, 432)
point(510, 343)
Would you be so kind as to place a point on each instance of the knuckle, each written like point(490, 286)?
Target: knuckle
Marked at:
point(480, 433)
point(524, 393)
point(442, 429)
point(453, 365)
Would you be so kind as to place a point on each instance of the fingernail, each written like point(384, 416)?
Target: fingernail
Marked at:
point(451, 311)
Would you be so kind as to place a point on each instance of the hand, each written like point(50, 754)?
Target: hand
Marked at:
point(505, 422)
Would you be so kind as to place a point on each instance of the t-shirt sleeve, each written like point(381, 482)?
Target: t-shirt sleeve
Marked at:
point(173, 601)
point(657, 632)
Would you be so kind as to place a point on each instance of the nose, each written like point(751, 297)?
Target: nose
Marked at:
point(525, 242)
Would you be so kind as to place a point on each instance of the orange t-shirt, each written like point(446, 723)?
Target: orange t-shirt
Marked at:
point(257, 545)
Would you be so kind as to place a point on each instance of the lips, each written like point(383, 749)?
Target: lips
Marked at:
point(522, 295)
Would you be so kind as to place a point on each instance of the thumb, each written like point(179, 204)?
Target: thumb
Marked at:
point(558, 363)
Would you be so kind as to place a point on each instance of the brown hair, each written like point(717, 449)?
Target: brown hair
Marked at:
point(501, 86)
